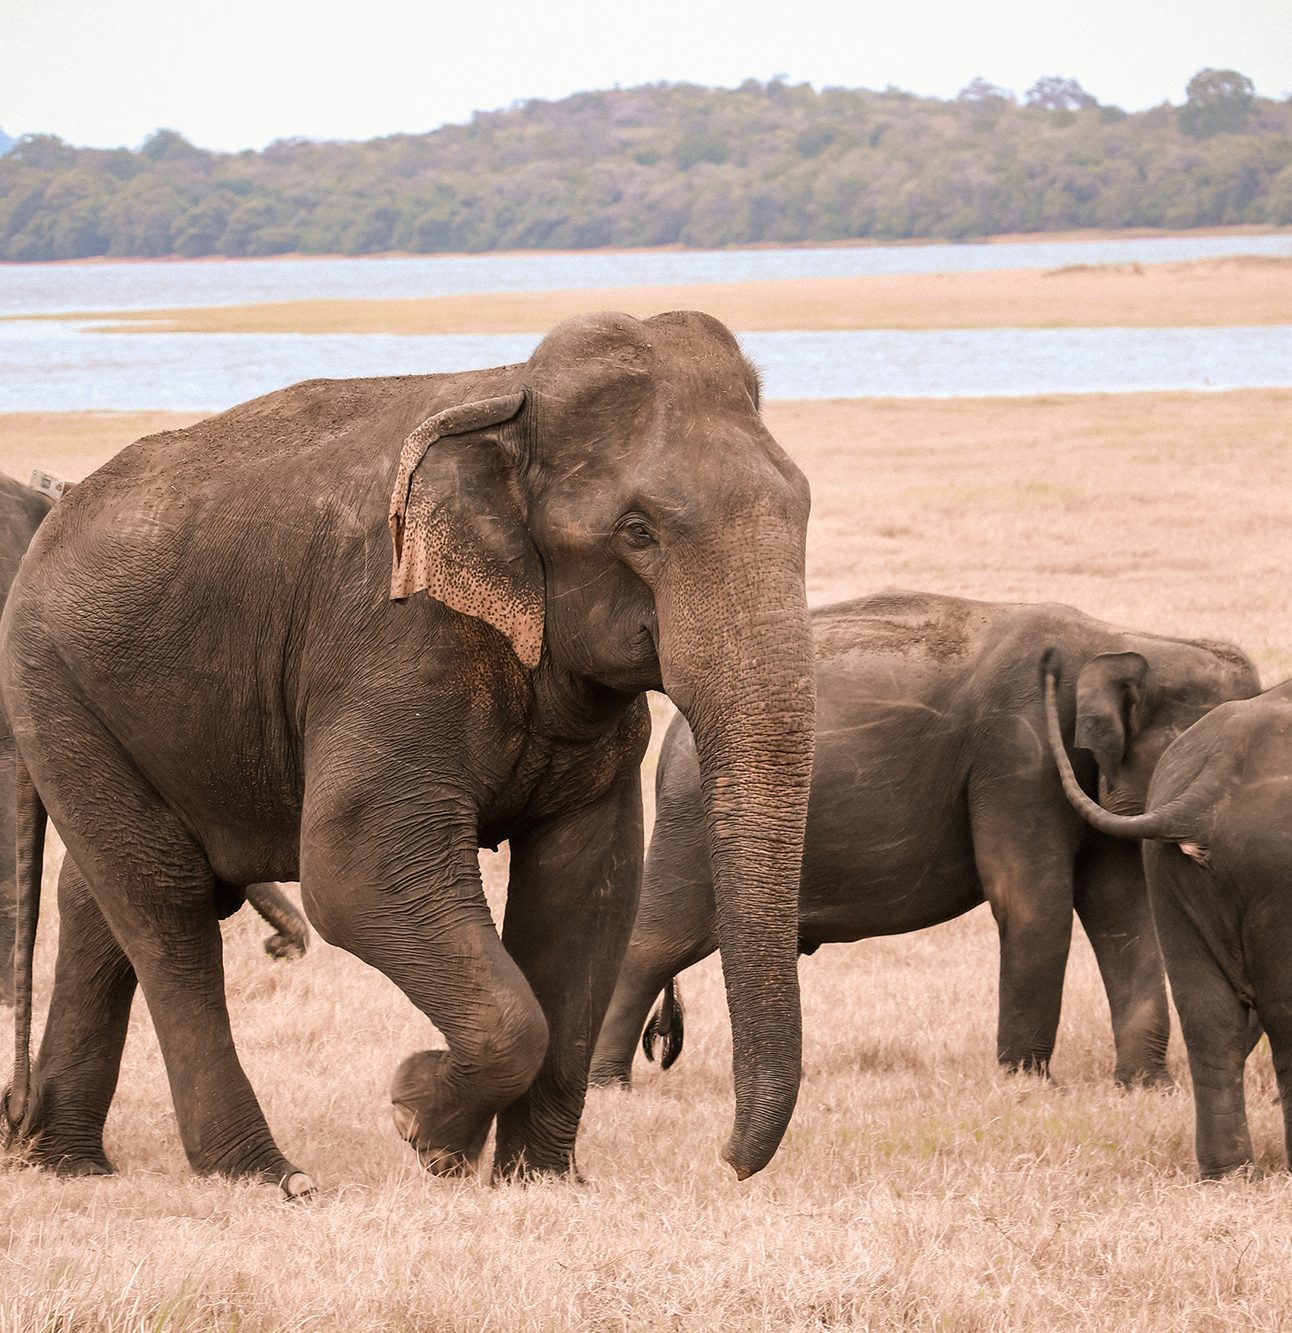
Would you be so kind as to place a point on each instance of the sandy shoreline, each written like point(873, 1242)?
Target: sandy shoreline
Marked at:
point(1230, 292)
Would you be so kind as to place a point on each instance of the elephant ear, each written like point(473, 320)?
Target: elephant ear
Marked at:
point(458, 522)
point(1111, 689)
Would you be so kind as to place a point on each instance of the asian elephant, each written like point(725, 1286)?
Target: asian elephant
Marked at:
point(210, 628)
point(21, 510)
point(934, 791)
point(1218, 860)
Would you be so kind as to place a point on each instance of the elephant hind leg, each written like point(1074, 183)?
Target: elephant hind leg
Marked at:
point(8, 886)
point(156, 893)
point(80, 1055)
point(1214, 1014)
point(675, 928)
point(650, 967)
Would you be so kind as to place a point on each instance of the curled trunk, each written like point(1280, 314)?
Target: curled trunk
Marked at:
point(1163, 824)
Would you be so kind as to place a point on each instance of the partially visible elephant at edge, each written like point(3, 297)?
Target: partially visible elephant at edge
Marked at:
point(21, 510)
point(1217, 837)
point(610, 517)
point(933, 791)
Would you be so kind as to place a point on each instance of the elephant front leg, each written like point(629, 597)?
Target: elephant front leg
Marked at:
point(570, 906)
point(1112, 902)
point(1026, 872)
point(413, 906)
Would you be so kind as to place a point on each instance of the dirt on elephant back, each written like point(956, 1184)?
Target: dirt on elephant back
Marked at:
point(897, 624)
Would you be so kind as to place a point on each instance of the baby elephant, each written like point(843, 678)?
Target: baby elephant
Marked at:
point(933, 790)
point(1218, 860)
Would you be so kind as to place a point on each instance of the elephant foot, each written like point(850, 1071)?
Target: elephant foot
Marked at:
point(297, 1186)
point(1155, 1080)
point(1246, 1171)
point(520, 1172)
point(1031, 1065)
point(69, 1166)
point(447, 1135)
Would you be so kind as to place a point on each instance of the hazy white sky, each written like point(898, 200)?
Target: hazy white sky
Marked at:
point(239, 73)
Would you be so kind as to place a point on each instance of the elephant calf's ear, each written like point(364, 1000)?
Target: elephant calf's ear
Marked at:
point(1110, 696)
point(458, 523)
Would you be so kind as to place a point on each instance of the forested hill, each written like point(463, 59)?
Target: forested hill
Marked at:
point(674, 163)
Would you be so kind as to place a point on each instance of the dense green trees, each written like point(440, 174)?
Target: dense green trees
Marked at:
point(674, 163)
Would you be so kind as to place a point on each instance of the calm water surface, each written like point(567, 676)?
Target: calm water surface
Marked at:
point(60, 367)
point(75, 366)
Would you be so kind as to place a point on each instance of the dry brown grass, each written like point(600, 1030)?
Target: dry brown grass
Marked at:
point(918, 1187)
point(1245, 290)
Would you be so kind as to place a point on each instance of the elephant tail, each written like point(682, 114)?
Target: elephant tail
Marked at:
point(1163, 824)
point(291, 937)
point(667, 1025)
point(30, 821)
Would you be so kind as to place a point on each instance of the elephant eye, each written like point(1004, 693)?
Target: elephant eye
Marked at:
point(637, 533)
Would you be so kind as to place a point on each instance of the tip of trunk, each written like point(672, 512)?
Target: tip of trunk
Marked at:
point(742, 1172)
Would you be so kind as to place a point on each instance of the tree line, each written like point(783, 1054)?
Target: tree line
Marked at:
point(672, 164)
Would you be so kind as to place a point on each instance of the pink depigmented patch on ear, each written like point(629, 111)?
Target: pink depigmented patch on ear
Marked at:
point(458, 528)
point(1194, 852)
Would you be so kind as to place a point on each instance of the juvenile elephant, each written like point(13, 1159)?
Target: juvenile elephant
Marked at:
point(215, 677)
point(1218, 859)
point(932, 792)
point(21, 510)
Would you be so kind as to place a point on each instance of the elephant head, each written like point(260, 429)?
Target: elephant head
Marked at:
point(1130, 708)
point(624, 518)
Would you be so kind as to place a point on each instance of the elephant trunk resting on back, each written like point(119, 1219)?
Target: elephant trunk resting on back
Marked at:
point(21, 511)
point(609, 518)
point(933, 791)
point(1218, 860)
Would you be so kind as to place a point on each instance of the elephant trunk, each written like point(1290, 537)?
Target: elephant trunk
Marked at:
point(1163, 824)
point(736, 657)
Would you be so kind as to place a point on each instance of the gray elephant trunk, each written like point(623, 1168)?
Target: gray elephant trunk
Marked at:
point(750, 700)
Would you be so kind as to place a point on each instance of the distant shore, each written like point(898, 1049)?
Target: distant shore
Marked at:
point(1237, 291)
point(855, 243)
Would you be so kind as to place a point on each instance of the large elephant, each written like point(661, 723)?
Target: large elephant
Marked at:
point(933, 792)
point(215, 677)
point(21, 511)
point(1218, 859)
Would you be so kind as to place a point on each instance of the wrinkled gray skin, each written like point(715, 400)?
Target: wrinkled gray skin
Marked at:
point(211, 683)
point(21, 512)
point(1218, 860)
point(933, 791)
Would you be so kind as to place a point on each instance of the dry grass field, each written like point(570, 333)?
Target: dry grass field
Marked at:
point(918, 1187)
point(1242, 290)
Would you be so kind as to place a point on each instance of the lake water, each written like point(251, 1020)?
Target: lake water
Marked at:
point(75, 366)
point(58, 367)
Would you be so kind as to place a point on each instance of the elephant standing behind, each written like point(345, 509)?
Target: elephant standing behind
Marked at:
point(215, 676)
point(22, 509)
point(1218, 859)
point(933, 791)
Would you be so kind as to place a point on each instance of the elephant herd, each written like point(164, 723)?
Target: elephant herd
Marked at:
point(218, 671)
